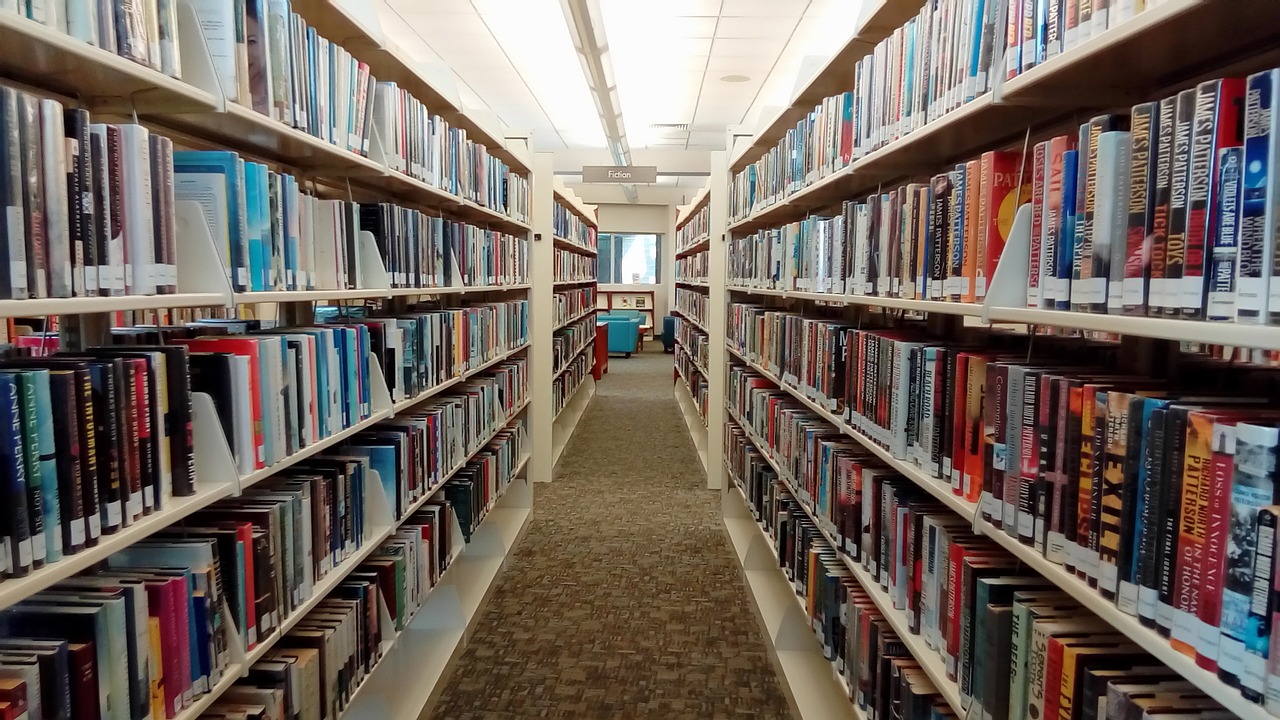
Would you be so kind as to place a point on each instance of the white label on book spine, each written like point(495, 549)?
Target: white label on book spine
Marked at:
point(1207, 643)
point(95, 525)
point(1026, 524)
point(1107, 577)
point(1251, 295)
point(148, 497)
point(1148, 598)
point(1127, 600)
point(24, 552)
point(133, 505)
point(1186, 627)
point(38, 547)
point(1191, 292)
point(1055, 547)
point(17, 228)
point(113, 514)
point(1132, 290)
point(77, 534)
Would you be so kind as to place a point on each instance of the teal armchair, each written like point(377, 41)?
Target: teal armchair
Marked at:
point(624, 333)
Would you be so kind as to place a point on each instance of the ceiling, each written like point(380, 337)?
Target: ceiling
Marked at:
point(668, 57)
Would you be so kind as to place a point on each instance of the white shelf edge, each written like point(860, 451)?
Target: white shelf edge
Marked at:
point(816, 694)
point(316, 447)
point(16, 589)
point(458, 290)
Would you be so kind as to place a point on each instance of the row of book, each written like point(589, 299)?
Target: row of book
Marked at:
point(269, 58)
point(1161, 212)
point(427, 444)
point(972, 604)
point(569, 341)
point(691, 232)
point(1120, 477)
point(944, 57)
point(92, 205)
point(877, 670)
point(150, 633)
point(572, 267)
point(693, 268)
point(693, 342)
point(566, 224)
point(939, 240)
point(569, 380)
point(424, 146)
point(427, 347)
point(1152, 213)
point(696, 381)
point(574, 302)
point(693, 305)
point(145, 32)
point(425, 251)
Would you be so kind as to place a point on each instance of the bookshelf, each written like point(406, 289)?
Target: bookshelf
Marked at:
point(491, 225)
point(1018, 112)
point(575, 244)
point(692, 296)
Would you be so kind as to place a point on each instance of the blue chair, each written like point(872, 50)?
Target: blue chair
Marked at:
point(624, 333)
point(669, 334)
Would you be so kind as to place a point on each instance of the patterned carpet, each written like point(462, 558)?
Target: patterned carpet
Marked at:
point(623, 600)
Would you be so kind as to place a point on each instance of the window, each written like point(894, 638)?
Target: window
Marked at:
point(630, 258)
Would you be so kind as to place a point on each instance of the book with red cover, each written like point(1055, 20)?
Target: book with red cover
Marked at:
point(1002, 198)
point(1216, 125)
point(247, 347)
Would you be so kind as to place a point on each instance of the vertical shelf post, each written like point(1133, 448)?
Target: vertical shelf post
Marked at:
point(717, 303)
point(541, 320)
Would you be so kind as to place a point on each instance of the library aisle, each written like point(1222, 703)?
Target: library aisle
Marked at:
point(623, 599)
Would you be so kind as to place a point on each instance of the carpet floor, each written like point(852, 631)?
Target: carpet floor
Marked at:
point(623, 600)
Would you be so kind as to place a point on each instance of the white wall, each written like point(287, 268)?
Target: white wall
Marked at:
point(660, 219)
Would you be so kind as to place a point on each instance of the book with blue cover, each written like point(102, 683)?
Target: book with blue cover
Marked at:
point(215, 180)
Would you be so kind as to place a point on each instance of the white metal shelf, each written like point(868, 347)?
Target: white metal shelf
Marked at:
point(699, 244)
point(813, 686)
point(574, 283)
point(15, 589)
point(571, 246)
point(702, 284)
point(40, 307)
point(458, 290)
point(690, 319)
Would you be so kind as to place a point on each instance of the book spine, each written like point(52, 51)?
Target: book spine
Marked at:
point(1196, 490)
point(1036, 292)
point(1179, 203)
point(1259, 199)
point(1143, 152)
point(1213, 561)
point(17, 528)
point(1111, 507)
point(1262, 607)
point(1220, 275)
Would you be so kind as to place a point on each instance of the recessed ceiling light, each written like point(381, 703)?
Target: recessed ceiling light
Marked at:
point(734, 78)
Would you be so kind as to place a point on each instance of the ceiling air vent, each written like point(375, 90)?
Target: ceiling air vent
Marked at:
point(670, 127)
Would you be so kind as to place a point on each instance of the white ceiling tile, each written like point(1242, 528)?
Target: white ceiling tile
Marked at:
point(762, 8)
point(764, 48)
point(753, 27)
point(692, 27)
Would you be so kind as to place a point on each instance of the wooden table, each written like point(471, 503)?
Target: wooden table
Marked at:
point(644, 330)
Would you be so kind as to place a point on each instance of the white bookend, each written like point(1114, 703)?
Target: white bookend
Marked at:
point(1008, 286)
point(377, 506)
point(197, 253)
point(373, 273)
point(196, 56)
